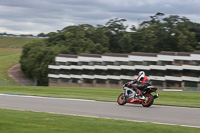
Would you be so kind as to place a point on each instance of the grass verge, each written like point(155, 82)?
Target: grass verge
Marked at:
point(187, 99)
point(32, 122)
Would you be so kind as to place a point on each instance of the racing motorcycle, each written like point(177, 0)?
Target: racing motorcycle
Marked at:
point(130, 96)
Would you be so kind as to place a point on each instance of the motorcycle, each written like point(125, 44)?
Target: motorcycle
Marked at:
point(130, 96)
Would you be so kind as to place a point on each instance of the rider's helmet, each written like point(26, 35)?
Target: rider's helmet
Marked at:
point(141, 75)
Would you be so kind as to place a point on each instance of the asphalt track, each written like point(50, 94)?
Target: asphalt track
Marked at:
point(170, 115)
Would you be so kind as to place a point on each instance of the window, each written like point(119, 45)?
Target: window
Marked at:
point(127, 72)
point(158, 73)
point(87, 72)
point(191, 84)
point(177, 61)
point(185, 62)
point(73, 63)
point(100, 81)
point(191, 73)
point(116, 73)
point(112, 81)
point(121, 63)
point(75, 80)
point(63, 80)
point(62, 71)
point(126, 81)
point(90, 72)
point(94, 63)
point(163, 63)
point(173, 84)
point(195, 63)
point(76, 72)
point(84, 63)
point(157, 83)
point(132, 63)
point(97, 63)
point(54, 80)
point(109, 63)
point(67, 72)
point(113, 72)
point(147, 63)
point(88, 81)
point(61, 63)
point(103, 72)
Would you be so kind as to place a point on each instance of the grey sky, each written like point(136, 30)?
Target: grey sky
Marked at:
point(36, 16)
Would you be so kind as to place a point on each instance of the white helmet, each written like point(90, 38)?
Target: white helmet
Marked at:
point(141, 74)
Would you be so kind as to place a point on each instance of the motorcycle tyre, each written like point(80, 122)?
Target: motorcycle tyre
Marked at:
point(150, 102)
point(124, 101)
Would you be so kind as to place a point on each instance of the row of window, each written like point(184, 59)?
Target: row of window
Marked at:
point(132, 63)
point(190, 73)
point(175, 84)
point(117, 82)
point(88, 81)
point(102, 63)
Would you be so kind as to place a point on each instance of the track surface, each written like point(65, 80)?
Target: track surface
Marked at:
point(158, 114)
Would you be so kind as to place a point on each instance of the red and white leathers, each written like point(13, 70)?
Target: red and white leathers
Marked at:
point(142, 82)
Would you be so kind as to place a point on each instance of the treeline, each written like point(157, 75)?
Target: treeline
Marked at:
point(160, 33)
point(40, 35)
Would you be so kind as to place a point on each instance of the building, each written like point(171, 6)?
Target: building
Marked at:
point(177, 70)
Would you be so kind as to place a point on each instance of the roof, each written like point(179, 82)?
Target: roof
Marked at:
point(143, 54)
point(171, 53)
point(116, 54)
point(174, 53)
point(67, 55)
point(196, 52)
point(91, 55)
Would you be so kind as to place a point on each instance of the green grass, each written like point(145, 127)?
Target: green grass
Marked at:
point(100, 94)
point(35, 122)
point(8, 58)
point(9, 51)
point(183, 98)
point(15, 42)
point(187, 99)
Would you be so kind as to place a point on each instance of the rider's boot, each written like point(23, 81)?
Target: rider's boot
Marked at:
point(141, 97)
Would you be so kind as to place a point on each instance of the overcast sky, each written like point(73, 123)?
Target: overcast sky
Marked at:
point(36, 16)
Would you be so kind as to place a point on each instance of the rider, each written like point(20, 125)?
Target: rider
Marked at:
point(142, 82)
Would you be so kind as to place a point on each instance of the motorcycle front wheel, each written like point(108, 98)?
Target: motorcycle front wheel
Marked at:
point(149, 100)
point(121, 99)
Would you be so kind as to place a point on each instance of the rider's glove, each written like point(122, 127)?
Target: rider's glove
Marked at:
point(134, 81)
point(125, 85)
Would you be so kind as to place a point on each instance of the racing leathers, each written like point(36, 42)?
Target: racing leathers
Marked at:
point(142, 82)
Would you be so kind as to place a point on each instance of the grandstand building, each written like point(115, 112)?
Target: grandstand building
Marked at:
point(177, 70)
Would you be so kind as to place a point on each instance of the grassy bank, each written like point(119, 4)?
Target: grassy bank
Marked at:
point(9, 51)
point(32, 122)
point(15, 42)
point(8, 58)
point(187, 99)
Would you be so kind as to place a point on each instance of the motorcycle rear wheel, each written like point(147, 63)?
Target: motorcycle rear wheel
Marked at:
point(149, 100)
point(121, 100)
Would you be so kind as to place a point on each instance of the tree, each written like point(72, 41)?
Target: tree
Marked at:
point(168, 34)
point(35, 60)
point(41, 35)
point(115, 31)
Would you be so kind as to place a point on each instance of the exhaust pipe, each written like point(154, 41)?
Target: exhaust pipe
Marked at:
point(156, 96)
